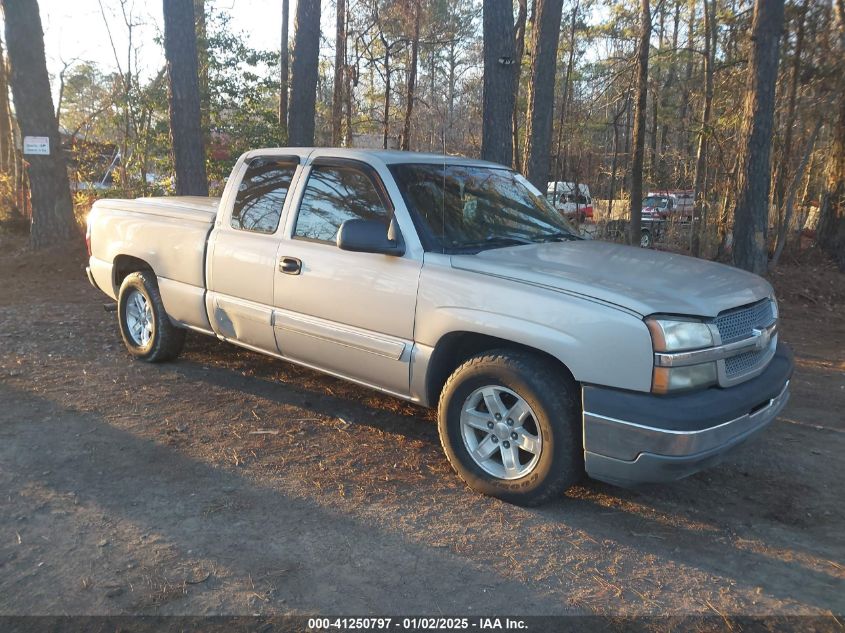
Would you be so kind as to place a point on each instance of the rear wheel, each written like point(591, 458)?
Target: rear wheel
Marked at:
point(509, 424)
point(145, 327)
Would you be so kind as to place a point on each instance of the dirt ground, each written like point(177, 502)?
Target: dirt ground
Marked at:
point(233, 483)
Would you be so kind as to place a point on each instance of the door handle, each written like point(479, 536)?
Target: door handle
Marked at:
point(290, 265)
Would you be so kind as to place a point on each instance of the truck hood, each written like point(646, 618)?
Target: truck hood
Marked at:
point(641, 280)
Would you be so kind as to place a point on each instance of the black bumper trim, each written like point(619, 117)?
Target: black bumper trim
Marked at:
point(696, 410)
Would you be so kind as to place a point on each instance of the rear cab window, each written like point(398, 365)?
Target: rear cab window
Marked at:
point(261, 195)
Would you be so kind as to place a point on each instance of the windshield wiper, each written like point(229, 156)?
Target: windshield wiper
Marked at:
point(560, 236)
point(492, 242)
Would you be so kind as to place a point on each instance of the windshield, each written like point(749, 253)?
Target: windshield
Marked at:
point(461, 209)
point(654, 201)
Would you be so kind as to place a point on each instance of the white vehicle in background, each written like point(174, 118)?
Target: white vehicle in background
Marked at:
point(571, 200)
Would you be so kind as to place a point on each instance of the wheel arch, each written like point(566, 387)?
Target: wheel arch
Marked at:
point(454, 348)
point(125, 265)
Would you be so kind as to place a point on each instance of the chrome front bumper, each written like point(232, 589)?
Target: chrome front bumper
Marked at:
point(629, 452)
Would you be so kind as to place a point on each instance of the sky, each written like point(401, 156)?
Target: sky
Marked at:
point(74, 30)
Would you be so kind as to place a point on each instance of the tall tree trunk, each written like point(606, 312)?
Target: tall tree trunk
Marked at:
point(683, 129)
point(452, 61)
point(385, 130)
point(655, 93)
point(144, 149)
point(636, 201)
point(518, 54)
point(180, 51)
point(627, 152)
point(284, 72)
point(339, 68)
point(614, 163)
point(128, 101)
point(565, 98)
point(52, 210)
point(7, 141)
point(831, 232)
point(498, 90)
point(303, 81)
point(723, 221)
point(202, 68)
point(792, 98)
point(412, 78)
point(751, 216)
point(542, 92)
point(347, 92)
point(23, 189)
point(434, 123)
point(699, 201)
point(18, 175)
point(789, 205)
point(667, 91)
point(652, 145)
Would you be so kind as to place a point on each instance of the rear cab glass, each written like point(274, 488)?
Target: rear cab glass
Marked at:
point(261, 195)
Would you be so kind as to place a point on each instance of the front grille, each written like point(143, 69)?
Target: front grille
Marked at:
point(744, 363)
point(735, 325)
point(738, 324)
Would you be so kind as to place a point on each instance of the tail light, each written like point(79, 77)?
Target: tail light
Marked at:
point(88, 236)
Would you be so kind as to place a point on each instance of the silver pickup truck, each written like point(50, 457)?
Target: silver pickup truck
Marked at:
point(451, 282)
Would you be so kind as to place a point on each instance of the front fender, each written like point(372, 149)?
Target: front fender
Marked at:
point(598, 343)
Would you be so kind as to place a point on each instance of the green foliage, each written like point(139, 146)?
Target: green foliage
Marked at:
point(107, 111)
point(244, 97)
point(104, 115)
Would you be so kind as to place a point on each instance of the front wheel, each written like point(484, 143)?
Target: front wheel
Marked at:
point(509, 424)
point(144, 325)
point(645, 239)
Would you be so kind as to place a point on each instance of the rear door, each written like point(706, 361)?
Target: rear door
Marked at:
point(242, 253)
point(348, 313)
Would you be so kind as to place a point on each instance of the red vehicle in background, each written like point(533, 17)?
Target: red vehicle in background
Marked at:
point(677, 203)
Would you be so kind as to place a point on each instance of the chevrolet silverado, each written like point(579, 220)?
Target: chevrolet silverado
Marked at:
point(452, 283)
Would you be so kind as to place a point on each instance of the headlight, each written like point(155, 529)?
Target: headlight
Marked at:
point(775, 311)
point(674, 334)
point(677, 335)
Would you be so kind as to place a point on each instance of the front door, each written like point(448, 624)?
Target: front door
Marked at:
point(348, 313)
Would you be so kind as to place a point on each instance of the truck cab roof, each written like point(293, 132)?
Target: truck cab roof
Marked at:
point(384, 156)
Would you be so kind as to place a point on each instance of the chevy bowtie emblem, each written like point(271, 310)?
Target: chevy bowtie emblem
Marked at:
point(762, 338)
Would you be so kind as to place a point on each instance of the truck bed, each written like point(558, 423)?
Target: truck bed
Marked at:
point(169, 234)
point(190, 208)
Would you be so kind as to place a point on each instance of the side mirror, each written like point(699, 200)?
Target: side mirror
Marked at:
point(371, 236)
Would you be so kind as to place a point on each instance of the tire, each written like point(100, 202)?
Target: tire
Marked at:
point(645, 239)
point(152, 337)
point(554, 419)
